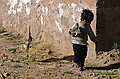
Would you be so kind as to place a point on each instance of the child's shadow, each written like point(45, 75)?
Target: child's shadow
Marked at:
point(109, 67)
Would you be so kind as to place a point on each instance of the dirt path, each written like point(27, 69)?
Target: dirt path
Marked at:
point(46, 64)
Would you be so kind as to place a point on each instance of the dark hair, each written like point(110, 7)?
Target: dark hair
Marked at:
point(87, 15)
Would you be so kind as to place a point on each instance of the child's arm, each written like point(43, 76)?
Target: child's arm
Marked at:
point(92, 35)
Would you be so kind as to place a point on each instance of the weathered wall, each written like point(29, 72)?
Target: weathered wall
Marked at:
point(49, 20)
point(108, 24)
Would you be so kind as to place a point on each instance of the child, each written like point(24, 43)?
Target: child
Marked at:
point(80, 32)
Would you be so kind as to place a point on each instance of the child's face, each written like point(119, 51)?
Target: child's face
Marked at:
point(85, 22)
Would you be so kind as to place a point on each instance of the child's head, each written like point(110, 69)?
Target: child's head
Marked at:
point(87, 17)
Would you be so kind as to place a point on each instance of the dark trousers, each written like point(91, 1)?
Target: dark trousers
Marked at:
point(80, 53)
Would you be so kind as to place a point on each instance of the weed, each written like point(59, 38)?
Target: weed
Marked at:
point(2, 30)
point(116, 46)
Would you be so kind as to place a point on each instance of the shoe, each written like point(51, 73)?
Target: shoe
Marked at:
point(81, 69)
point(75, 65)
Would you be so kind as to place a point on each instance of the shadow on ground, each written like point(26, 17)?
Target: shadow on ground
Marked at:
point(109, 67)
point(68, 58)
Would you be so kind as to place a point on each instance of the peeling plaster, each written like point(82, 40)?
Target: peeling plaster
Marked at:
point(19, 7)
point(26, 1)
point(12, 6)
point(41, 19)
point(37, 1)
point(73, 17)
point(60, 9)
point(58, 25)
point(27, 10)
point(44, 10)
point(73, 5)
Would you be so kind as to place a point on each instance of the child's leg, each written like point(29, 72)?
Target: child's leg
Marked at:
point(76, 49)
point(82, 55)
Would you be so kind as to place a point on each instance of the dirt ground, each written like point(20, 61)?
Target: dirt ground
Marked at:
point(46, 63)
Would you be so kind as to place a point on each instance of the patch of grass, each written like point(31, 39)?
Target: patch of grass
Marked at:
point(30, 78)
point(10, 36)
point(30, 61)
point(114, 75)
point(20, 42)
point(106, 73)
point(2, 30)
point(13, 50)
point(14, 38)
point(33, 55)
point(26, 62)
point(69, 72)
point(17, 66)
point(1, 36)
point(116, 46)
point(38, 63)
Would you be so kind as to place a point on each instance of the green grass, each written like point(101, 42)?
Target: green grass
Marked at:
point(30, 78)
point(114, 75)
point(69, 72)
point(107, 73)
point(2, 30)
point(13, 38)
point(13, 50)
point(17, 66)
point(1, 36)
point(116, 46)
